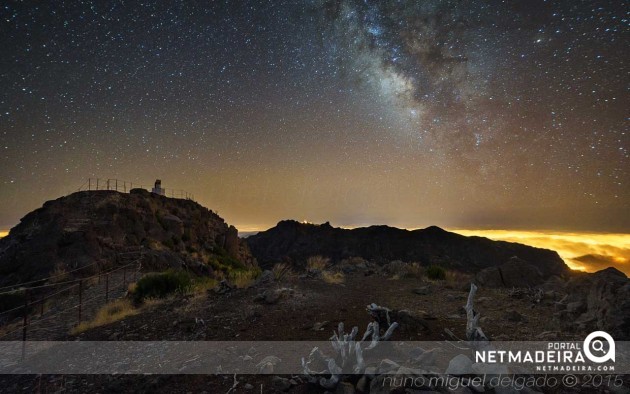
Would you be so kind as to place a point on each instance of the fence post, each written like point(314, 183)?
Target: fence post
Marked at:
point(96, 183)
point(125, 187)
point(25, 321)
point(89, 183)
point(107, 183)
point(80, 299)
point(106, 287)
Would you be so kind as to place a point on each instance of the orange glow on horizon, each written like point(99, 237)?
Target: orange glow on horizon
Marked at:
point(581, 251)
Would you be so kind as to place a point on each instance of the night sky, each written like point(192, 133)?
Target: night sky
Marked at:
point(462, 114)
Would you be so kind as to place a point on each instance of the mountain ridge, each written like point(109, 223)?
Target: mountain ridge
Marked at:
point(294, 241)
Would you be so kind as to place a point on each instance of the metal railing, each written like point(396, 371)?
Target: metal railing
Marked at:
point(80, 297)
point(124, 186)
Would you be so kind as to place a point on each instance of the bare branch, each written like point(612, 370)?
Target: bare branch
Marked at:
point(473, 332)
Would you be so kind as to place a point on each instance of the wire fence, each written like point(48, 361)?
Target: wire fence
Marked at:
point(124, 186)
point(52, 314)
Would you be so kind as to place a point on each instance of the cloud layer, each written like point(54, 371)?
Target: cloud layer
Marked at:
point(581, 251)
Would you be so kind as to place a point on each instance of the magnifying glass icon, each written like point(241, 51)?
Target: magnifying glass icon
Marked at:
point(598, 345)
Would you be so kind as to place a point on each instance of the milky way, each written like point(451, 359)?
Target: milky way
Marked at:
point(478, 114)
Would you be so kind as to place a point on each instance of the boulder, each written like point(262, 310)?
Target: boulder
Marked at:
point(424, 290)
point(173, 224)
point(601, 300)
point(272, 296)
point(459, 365)
point(514, 273)
point(280, 383)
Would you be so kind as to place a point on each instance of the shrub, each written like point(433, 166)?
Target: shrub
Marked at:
point(435, 272)
point(160, 285)
point(222, 261)
point(317, 263)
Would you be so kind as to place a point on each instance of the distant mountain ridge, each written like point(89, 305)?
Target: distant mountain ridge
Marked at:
point(295, 241)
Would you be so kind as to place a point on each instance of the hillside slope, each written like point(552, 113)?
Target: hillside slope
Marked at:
point(102, 229)
point(297, 241)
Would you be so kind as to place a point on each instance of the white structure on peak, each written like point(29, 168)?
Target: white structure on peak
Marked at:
point(157, 188)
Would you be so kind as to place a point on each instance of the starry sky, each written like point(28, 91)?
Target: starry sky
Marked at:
point(464, 114)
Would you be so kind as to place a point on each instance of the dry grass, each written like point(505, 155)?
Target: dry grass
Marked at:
point(456, 279)
point(10, 327)
point(335, 278)
point(243, 279)
point(354, 261)
point(282, 272)
point(59, 274)
point(91, 281)
point(317, 263)
point(109, 313)
point(149, 302)
point(414, 270)
point(204, 284)
point(219, 275)
point(399, 270)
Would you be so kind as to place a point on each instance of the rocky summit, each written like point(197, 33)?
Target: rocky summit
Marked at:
point(294, 241)
point(102, 229)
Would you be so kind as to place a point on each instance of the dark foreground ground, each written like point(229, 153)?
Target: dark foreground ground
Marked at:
point(310, 312)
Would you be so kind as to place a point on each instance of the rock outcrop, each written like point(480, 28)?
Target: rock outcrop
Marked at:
point(101, 229)
point(294, 241)
point(514, 273)
point(600, 300)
